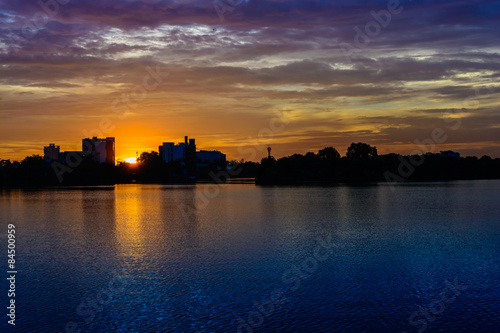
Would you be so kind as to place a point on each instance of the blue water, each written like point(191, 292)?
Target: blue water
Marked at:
point(151, 258)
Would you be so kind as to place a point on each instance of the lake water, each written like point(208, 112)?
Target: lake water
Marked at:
point(239, 257)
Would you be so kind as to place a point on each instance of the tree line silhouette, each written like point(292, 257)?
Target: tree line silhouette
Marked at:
point(361, 164)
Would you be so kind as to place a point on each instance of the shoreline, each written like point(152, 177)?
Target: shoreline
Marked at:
point(249, 181)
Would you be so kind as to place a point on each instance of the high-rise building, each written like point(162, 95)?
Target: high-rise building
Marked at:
point(172, 152)
point(51, 151)
point(101, 150)
point(185, 151)
point(190, 158)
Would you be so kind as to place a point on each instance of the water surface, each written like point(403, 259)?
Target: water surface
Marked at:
point(152, 258)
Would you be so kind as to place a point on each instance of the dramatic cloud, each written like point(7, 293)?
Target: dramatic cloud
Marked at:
point(383, 72)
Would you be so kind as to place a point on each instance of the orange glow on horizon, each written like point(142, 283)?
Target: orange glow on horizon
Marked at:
point(131, 160)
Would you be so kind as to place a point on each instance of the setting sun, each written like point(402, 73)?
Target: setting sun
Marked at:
point(130, 160)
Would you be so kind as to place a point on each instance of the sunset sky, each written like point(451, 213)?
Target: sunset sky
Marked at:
point(301, 74)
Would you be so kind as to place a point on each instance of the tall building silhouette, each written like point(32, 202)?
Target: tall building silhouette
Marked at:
point(183, 151)
point(101, 150)
point(51, 151)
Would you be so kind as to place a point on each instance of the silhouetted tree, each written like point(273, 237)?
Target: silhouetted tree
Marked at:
point(329, 153)
point(152, 169)
point(33, 161)
point(152, 158)
point(361, 150)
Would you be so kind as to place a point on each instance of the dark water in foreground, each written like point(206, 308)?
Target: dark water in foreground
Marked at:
point(147, 258)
